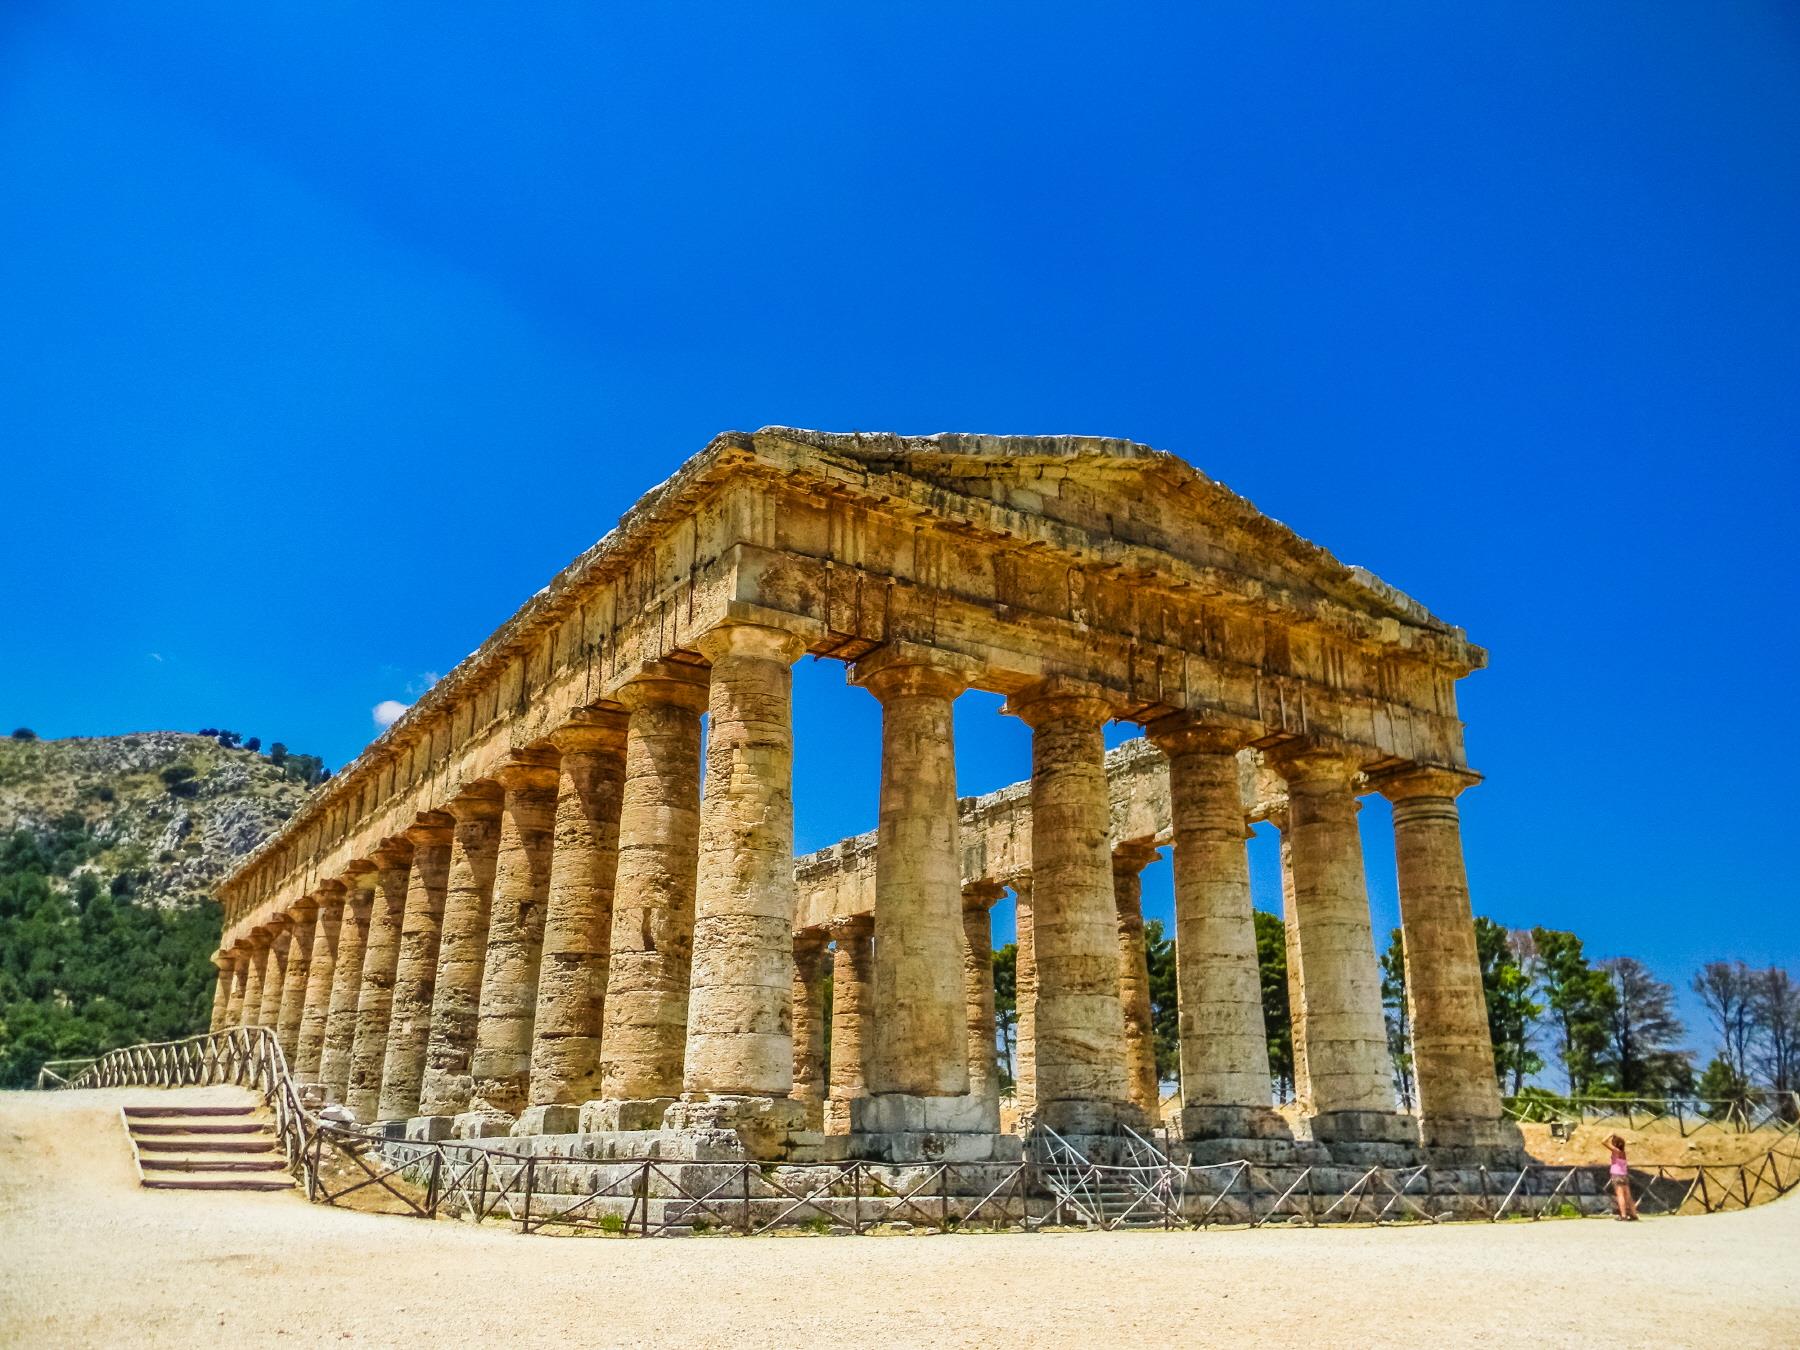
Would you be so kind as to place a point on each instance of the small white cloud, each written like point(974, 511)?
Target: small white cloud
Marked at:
point(387, 712)
point(156, 656)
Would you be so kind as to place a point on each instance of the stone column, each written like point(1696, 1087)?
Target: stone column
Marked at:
point(500, 1065)
point(852, 981)
point(565, 1051)
point(1025, 992)
point(645, 1015)
point(256, 966)
point(240, 978)
point(1348, 1068)
point(388, 1061)
point(740, 1047)
point(1290, 927)
point(293, 985)
point(462, 954)
point(1453, 1053)
point(809, 1024)
point(1141, 1079)
point(221, 991)
point(1225, 1084)
point(320, 968)
point(346, 984)
point(978, 993)
point(1081, 1084)
point(275, 975)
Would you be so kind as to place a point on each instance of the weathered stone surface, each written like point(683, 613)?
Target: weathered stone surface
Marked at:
point(978, 990)
point(571, 991)
point(500, 1065)
point(852, 990)
point(740, 1031)
point(294, 973)
point(316, 1000)
point(643, 1047)
point(809, 1025)
point(1025, 998)
point(1134, 979)
point(462, 951)
point(346, 986)
point(274, 976)
point(402, 1060)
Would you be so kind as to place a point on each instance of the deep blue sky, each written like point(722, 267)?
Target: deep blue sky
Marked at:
point(330, 337)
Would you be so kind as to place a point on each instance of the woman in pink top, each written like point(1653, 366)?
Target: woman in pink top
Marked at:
point(1620, 1174)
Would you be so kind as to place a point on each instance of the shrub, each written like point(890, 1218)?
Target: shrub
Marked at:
point(24, 734)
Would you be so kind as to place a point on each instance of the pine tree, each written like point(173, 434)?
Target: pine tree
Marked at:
point(1643, 1032)
point(1511, 1009)
point(1579, 1000)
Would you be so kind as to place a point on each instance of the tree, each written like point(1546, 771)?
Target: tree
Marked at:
point(1727, 991)
point(278, 754)
point(1643, 1032)
point(1278, 1022)
point(228, 740)
point(1397, 1016)
point(1776, 1015)
point(22, 733)
point(1579, 1000)
point(254, 743)
point(179, 780)
point(1722, 1090)
point(1165, 1018)
point(1511, 1009)
point(1006, 1009)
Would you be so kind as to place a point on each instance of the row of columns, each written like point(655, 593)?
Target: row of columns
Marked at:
point(587, 930)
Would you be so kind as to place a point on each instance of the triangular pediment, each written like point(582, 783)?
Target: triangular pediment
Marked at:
point(1126, 495)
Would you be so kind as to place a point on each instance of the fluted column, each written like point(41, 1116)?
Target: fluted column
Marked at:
point(320, 968)
point(293, 982)
point(1225, 1090)
point(740, 1029)
point(256, 971)
point(240, 978)
point(1348, 1068)
point(978, 989)
point(1081, 1084)
point(645, 1015)
point(388, 1061)
point(221, 1004)
point(462, 952)
point(571, 1002)
point(275, 976)
point(500, 1065)
point(809, 1023)
point(1141, 1078)
point(921, 1021)
point(852, 981)
point(1025, 997)
point(1453, 1052)
point(346, 984)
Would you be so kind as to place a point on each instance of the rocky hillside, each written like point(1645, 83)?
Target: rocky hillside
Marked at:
point(170, 813)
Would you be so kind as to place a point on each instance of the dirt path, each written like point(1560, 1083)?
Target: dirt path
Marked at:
point(88, 1258)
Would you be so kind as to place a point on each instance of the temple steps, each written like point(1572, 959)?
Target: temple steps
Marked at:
point(204, 1148)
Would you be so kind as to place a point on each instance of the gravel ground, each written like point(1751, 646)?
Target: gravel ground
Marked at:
point(89, 1258)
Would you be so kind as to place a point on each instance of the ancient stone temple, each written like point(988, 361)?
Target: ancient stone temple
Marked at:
point(530, 908)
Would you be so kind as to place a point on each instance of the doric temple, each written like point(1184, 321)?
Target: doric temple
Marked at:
point(543, 902)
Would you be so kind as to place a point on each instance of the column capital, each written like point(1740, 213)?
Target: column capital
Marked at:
point(661, 683)
point(1307, 764)
point(534, 768)
point(394, 851)
point(750, 639)
point(598, 729)
point(428, 828)
point(811, 941)
point(1059, 698)
point(902, 668)
point(1180, 732)
point(982, 894)
point(330, 894)
point(304, 908)
point(1422, 780)
point(480, 800)
point(1134, 857)
point(851, 926)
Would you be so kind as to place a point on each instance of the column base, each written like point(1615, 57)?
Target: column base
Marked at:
point(1480, 1137)
point(621, 1116)
point(555, 1119)
point(766, 1127)
point(1363, 1127)
point(900, 1127)
point(835, 1116)
point(1091, 1117)
point(1203, 1122)
point(481, 1125)
point(426, 1129)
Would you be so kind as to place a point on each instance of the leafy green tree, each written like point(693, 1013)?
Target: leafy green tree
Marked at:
point(1278, 1022)
point(1722, 1090)
point(1398, 1017)
point(1579, 1001)
point(1165, 1019)
point(1643, 1032)
point(1006, 1009)
point(1511, 1009)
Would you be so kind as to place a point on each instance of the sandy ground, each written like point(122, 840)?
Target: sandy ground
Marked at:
point(88, 1258)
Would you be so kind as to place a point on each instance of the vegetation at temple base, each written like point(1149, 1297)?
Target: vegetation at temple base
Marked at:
point(110, 848)
point(1278, 1020)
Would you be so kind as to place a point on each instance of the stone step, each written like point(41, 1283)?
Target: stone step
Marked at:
point(206, 1144)
point(215, 1181)
point(138, 1112)
point(246, 1126)
point(209, 1164)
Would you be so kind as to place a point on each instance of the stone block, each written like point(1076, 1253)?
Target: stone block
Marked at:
point(763, 1125)
point(903, 1113)
point(607, 1117)
point(1233, 1122)
point(1364, 1127)
point(428, 1129)
point(480, 1125)
point(555, 1120)
point(907, 1146)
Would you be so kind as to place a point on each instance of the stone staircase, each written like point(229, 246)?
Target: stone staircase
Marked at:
point(205, 1148)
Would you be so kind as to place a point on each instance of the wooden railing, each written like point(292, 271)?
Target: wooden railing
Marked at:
point(362, 1167)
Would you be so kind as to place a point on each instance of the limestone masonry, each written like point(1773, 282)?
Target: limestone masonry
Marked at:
point(526, 909)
